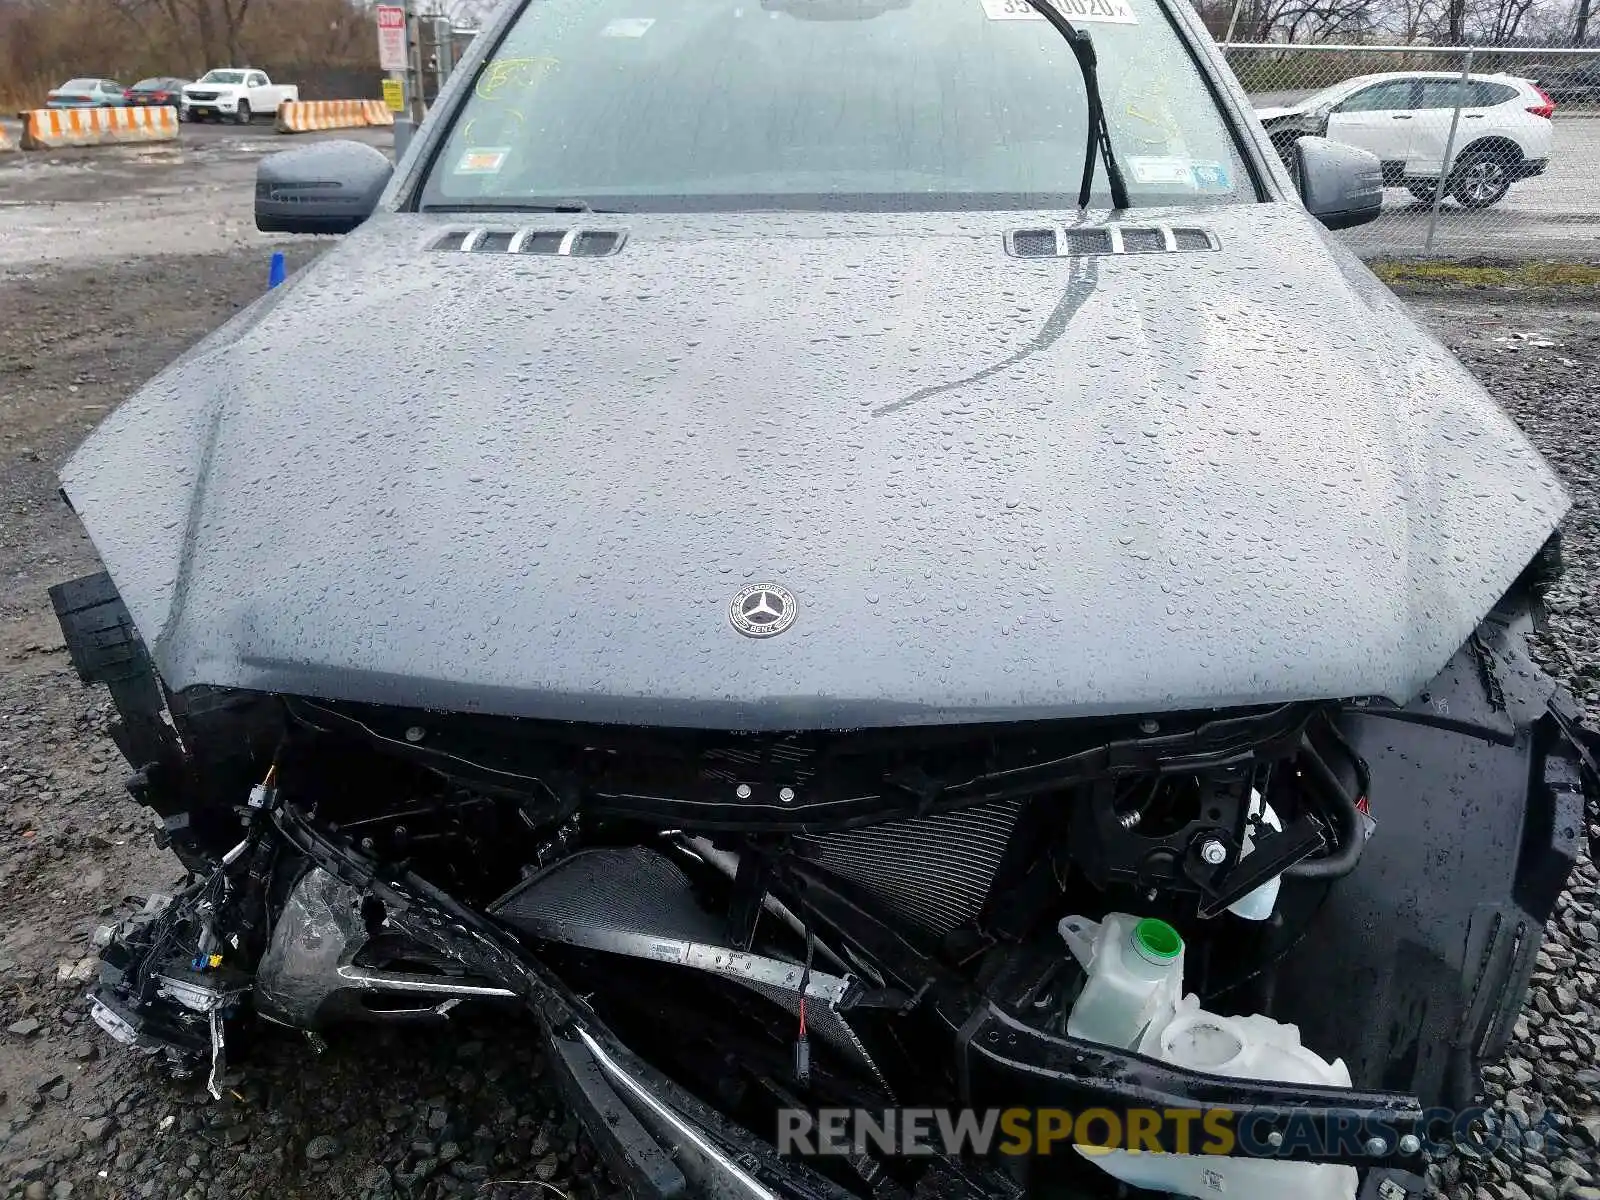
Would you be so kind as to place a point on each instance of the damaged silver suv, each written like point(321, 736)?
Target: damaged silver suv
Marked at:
point(856, 557)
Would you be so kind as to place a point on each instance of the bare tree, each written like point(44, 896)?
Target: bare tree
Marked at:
point(1308, 20)
point(1413, 18)
point(234, 13)
point(1485, 22)
point(1502, 21)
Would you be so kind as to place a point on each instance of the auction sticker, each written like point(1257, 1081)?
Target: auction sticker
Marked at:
point(485, 160)
point(628, 27)
point(1162, 170)
point(1111, 12)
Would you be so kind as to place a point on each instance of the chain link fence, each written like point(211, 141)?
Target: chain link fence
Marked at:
point(1486, 150)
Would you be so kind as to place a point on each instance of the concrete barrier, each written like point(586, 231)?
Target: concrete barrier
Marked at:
point(308, 116)
point(52, 128)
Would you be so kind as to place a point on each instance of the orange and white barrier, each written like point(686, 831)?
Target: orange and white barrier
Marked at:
point(308, 116)
point(5, 140)
point(51, 128)
point(378, 113)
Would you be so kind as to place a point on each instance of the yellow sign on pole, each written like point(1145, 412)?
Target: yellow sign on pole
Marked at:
point(394, 95)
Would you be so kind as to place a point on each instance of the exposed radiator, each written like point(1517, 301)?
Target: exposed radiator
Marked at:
point(933, 871)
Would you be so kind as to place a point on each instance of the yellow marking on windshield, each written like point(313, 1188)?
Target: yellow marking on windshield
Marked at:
point(518, 74)
point(1164, 128)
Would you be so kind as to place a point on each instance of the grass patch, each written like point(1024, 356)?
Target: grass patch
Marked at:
point(1527, 276)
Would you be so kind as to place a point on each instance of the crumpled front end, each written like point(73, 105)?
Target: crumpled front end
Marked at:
point(725, 936)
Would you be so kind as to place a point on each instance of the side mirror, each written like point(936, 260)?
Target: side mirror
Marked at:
point(1340, 185)
point(326, 187)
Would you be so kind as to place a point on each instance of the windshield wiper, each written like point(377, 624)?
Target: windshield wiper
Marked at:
point(1099, 131)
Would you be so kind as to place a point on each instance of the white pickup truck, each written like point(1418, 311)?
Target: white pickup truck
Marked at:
point(234, 93)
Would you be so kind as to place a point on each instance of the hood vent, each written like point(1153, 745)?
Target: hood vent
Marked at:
point(568, 243)
point(1056, 241)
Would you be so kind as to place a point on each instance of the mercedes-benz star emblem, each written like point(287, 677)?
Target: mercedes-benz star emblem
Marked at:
point(762, 610)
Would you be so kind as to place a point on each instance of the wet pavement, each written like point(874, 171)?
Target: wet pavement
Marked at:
point(190, 196)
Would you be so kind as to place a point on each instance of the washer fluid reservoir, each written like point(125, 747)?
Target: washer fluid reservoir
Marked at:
point(1133, 998)
point(1134, 969)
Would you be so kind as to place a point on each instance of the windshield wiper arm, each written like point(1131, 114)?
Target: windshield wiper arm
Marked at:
point(1099, 131)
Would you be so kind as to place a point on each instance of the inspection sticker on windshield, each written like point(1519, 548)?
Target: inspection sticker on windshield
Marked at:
point(1180, 172)
point(484, 160)
point(627, 27)
point(1161, 170)
point(1114, 12)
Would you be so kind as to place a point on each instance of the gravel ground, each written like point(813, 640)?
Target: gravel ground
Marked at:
point(191, 196)
point(469, 1112)
point(1540, 361)
point(78, 1117)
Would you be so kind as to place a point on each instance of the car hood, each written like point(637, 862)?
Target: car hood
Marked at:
point(997, 487)
point(1270, 114)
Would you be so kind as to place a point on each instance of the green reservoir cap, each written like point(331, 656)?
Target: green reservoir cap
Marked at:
point(1156, 941)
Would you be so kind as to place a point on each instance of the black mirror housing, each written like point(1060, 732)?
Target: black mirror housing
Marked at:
point(1340, 185)
point(326, 187)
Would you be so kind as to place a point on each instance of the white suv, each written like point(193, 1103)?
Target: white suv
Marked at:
point(1504, 133)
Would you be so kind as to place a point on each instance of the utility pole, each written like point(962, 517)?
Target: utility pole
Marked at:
point(1581, 30)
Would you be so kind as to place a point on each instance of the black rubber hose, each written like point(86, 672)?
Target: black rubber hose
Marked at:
point(1363, 771)
point(1346, 820)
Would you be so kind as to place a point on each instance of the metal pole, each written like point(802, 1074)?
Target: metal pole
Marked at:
point(414, 99)
point(1449, 153)
point(403, 126)
point(1233, 21)
point(447, 52)
point(405, 121)
point(441, 53)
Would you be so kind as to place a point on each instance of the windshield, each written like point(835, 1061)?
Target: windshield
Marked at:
point(222, 77)
point(838, 103)
point(79, 85)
